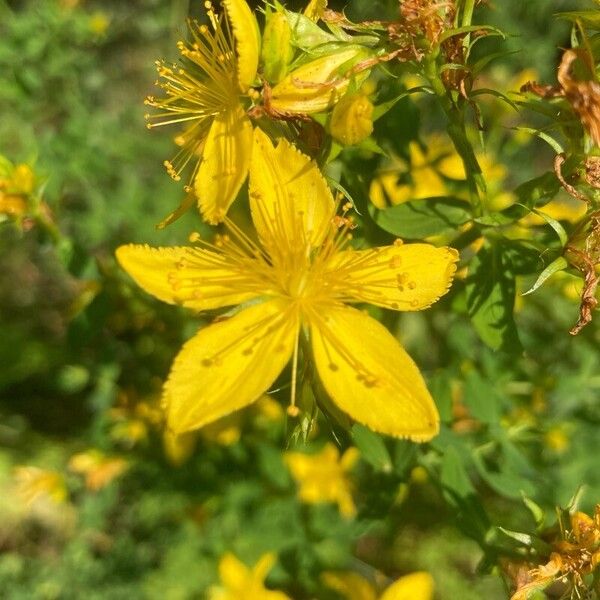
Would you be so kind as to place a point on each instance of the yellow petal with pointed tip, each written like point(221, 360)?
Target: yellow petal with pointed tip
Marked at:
point(233, 572)
point(247, 40)
point(317, 85)
point(225, 161)
point(401, 277)
point(416, 586)
point(291, 203)
point(195, 278)
point(368, 374)
point(351, 586)
point(229, 364)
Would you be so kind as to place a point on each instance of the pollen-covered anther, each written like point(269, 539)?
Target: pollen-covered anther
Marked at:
point(293, 411)
point(194, 237)
point(395, 262)
point(398, 242)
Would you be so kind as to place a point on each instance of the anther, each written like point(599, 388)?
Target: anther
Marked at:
point(293, 411)
point(398, 242)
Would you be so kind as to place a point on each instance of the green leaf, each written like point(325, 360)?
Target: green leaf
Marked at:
point(468, 29)
point(422, 218)
point(537, 511)
point(504, 482)
point(490, 299)
point(384, 107)
point(372, 448)
point(589, 18)
point(543, 136)
point(482, 399)
point(558, 264)
point(558, 228)
point(453, 474)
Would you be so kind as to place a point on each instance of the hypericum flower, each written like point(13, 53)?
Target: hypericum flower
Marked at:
point(218, 68)
point(33, 483)
point(238, 581)
point(99, 470)
point(296, 281)
point(322, 477)
point(352, 586)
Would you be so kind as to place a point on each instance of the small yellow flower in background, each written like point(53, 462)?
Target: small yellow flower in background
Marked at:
point(557, 440)
point(99, 470)
point(323, 477)
point(416, 586)
point(33, 483)
point(241, 583)
point(16, 185)
point(206, 92)
point(99, 23)
point(296, 281)
point(429, 169)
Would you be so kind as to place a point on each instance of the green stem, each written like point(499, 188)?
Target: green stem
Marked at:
point(458, 134)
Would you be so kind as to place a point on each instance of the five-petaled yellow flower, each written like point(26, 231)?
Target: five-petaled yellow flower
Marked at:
point(352, 586)
point(296, 282)
point(322, 477)
point(241, 583)
point(207, 91)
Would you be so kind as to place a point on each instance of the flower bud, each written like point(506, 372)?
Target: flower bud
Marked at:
point(352, 119)
point(318, 84)
point(277, 50)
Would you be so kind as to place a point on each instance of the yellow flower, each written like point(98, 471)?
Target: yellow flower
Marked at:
point(296, 282)
point(99, 470)
point(206, 91)
point(241, 583)
point(416, 586)
point(426, 181)
point(33, 483)
point(323, 477)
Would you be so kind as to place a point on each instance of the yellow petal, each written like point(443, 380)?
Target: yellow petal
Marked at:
point(402, 277)
point(291, 203)
point(225, 161)
point(416, 586)
point(314, 9)
point(247, 40)
point(317, 85)
point(368, 374)
point(234, 574)
point(351, 586)
point(195, 278)
point(229, 364)
point(263, 566)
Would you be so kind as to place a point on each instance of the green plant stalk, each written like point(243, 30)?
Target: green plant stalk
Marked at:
point(458, 134)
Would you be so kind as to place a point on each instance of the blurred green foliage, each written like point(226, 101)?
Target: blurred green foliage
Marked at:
point(83, 352)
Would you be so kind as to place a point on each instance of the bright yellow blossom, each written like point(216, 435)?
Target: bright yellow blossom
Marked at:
point(323, 477)
point(206, 91)
point(99, 470)
point(241, 583)
point(416, 586)
point(33, 483)
point(296, 282)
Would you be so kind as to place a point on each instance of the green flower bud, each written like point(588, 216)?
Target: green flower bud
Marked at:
point(277, 51)
point(352, 119)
